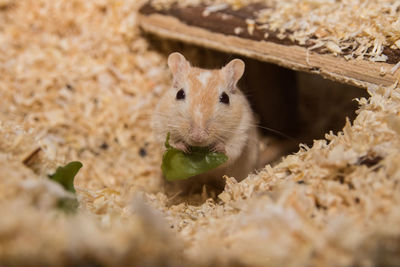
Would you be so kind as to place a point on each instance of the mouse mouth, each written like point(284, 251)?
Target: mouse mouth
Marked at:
point(189, 142)
point(212, 147)
point(198, 144)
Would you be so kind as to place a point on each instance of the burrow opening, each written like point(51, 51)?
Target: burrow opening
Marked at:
point(292, 107)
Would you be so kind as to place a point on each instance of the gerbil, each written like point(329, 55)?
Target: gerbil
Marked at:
point(206, 108)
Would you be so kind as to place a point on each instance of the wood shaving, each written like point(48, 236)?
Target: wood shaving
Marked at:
point(395, 68)
point(238, 30)
point(80, 82)
point(250, 26)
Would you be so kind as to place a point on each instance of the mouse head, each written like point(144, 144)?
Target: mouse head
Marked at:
point(208, 104)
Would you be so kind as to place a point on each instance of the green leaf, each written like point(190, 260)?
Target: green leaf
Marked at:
point(177, 165)
point(68, 205)
point(65, 175)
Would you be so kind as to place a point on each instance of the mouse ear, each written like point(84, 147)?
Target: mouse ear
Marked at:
point(233, 71)
point(178, 65)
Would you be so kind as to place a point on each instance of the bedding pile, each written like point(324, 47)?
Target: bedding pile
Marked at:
point(78, 82)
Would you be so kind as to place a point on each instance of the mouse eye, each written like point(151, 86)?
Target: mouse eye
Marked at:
point(224, 98)
point(180, 95)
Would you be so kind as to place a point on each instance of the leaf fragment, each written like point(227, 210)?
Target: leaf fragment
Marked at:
point(177, 165)
point(65, 175)
point(68, 205)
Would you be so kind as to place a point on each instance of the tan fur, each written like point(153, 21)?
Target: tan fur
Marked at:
point(228, 128)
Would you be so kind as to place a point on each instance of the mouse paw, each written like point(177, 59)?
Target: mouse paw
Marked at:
point(181, 146)
point(220, 147)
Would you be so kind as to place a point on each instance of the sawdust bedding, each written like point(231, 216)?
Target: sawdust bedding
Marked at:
point(78, 82)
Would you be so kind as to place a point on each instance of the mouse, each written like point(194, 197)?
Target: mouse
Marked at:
point(205, 108)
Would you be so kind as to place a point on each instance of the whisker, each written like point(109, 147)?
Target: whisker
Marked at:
point(223, 138)
point(265, 128)
point(250, 138)
point(272, 130)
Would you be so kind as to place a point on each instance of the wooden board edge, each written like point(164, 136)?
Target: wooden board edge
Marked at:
point(359, 73)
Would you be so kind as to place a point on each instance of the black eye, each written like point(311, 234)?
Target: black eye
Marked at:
point(180, 95)
point(224, 98)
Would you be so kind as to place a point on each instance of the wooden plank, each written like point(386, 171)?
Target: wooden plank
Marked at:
point(360, 73)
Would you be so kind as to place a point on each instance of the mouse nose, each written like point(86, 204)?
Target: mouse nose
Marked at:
point(198, 135)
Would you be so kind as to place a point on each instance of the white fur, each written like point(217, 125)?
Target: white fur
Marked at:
point(198, 115)
point(204, 77)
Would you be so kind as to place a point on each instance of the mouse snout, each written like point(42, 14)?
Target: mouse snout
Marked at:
point(198, 135)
